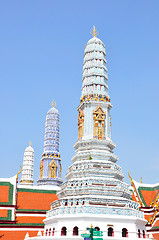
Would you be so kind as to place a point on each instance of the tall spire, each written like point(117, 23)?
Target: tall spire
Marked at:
point(94, 191)
point(95, 75)
point(52, 130)
point(95, 92)
point(28, 164)
point(50, 166)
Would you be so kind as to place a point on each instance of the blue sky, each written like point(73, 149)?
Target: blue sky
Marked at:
point(41, 54)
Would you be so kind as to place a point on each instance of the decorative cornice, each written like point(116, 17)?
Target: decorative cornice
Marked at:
point(51, 155)
point(94, 97)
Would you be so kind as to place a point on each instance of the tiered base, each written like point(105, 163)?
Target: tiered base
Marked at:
point(103, 222)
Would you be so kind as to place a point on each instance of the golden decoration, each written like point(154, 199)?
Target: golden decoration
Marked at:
point(94, 32)
point(141, 180)
point(52, 169)
point(53, 104)
point(102, 99)
point(135, 190)
point(99, 132)
point(41, 169)
point(26, 181)
point(16, 197)
point(96, 98)
point(30, 143)
point(88, 98)
point(130, 177)
point(80, 124)
point(152, 219)
point(19, 172)
point(99, 123)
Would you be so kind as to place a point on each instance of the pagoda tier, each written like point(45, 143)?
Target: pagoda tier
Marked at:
point(94, 69)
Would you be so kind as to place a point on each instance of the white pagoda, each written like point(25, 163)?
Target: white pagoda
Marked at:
point(94, 191)
point(28, 165)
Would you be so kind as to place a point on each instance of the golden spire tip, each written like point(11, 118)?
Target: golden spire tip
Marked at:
point(30, 143)
point(53, 104)
point(94, 32)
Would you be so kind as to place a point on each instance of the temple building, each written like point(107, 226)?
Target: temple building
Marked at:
point(23, 207)
point(147, 195)
point(94, 192)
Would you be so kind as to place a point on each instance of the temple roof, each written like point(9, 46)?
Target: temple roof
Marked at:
point(147, 192)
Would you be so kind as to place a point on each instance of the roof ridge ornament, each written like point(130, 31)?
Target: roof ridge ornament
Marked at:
point(135, 190)
point(141, 180)
point(19, 172)
point(94, 32)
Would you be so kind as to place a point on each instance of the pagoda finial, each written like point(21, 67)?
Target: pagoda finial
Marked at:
point(94, 32)
point(30, 143)
point(53, 104)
